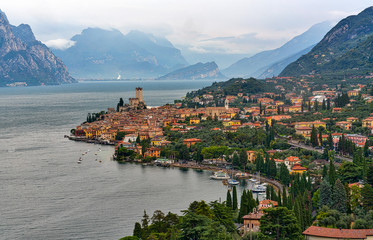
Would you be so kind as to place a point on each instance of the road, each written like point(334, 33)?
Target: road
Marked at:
point(296, 144)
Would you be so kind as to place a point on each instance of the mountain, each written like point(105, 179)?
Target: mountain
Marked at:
point(99, 53)
point(24, 60)
point(197, 71)
point(347, 49)
point(276, 68)
point(261, 62)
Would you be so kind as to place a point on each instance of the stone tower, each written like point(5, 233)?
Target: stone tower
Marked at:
point(226, 103)
point(139, 94)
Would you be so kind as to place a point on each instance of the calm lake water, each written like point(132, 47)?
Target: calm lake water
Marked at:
point(45, 194)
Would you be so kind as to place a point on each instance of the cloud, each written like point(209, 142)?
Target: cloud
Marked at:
point(60, 43)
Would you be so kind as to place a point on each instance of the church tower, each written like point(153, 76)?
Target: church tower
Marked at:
point(226, 103)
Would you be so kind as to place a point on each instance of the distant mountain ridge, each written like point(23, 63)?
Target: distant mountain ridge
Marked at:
point(272, 62)
point(99, 53)
point(26, 61)
point(197, 71)
point(346, 49)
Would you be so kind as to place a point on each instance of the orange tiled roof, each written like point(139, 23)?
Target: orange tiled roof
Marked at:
point(338, 233)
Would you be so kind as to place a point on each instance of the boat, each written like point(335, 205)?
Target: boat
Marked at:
point(233, 182)
point(259, 188)
point(220, 175)
point(242, 175)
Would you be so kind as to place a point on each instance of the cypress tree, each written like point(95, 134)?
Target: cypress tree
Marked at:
point(234, 204)
point(229, 200)
point(367, 197)
point(284, 197)
point(330, 142)
point(324, 172)
point(332, 174)
point(137, 231)
point(370, 174)
point(328, 104)
point(320, 137)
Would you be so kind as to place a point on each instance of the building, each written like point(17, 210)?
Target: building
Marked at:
point(191, 141)
point(344, 124)
point(368, 122)
point(358, 140)
point(353, 93)
point(251, 156)
point(297, 168)
point(251, 222)
point(322, 233)
point(316, 124)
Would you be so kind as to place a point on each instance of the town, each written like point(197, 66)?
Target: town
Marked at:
point(312, 139)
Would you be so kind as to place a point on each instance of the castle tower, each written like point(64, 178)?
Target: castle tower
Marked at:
point(139, 94)
point(226, 103)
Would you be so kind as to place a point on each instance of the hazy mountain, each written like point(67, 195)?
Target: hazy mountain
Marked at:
point(276, 68)
point(346, 49)
point(99, 53)
point(197, 71)
point(24, 59)
point(261, 62)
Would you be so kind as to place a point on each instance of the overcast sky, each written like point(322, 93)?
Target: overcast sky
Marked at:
point(220, 26)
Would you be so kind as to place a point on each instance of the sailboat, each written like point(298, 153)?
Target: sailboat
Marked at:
point(118, 78)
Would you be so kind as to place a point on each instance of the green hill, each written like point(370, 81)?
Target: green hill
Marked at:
point(346, 50)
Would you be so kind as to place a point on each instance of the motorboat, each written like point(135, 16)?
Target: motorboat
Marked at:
point(220, 175)
point(233, 182)
point(258, 188)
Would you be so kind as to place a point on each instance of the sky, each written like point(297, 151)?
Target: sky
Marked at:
point(201, 27)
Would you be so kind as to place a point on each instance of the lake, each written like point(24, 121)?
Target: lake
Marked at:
point(45, 194)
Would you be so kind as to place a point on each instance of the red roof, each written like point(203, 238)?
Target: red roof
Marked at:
point(338, 233)
point(253, 216)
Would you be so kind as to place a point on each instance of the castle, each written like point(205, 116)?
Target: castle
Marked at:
point(136, 102)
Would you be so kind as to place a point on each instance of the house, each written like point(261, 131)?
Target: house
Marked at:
point(297, 168)
point(251, 156)
point(266, 204)
point(322, 233)
point(290, 161)
point(368, 122)
point(353, 93)
point(344, 124)
point(251, 222)
point(303, 131)
point(191, 141)
point(316, 124)
point(352, 119)
point(336, 110)
point(153, 152)
point(194, 121)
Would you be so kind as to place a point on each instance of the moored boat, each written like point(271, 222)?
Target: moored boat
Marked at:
point(220, 175)
point(233, 182)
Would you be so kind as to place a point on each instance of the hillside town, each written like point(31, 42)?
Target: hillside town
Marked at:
point(307, 137)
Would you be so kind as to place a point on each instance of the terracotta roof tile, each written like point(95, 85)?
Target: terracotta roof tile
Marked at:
point(338, 233)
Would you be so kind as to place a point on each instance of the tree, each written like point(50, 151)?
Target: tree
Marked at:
point(339, 198)
point(324, 172)
point(222, 214)
point(349, 172)
point(284, 174)
point(370, 174)
point(137, 231)
point(229, 200)
point(314, 140)
point(367, 197)
point(279, 223)
point(330, 142)
point(332, 174)
point(235, 203)
point(328, 104)
point(325, 193)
